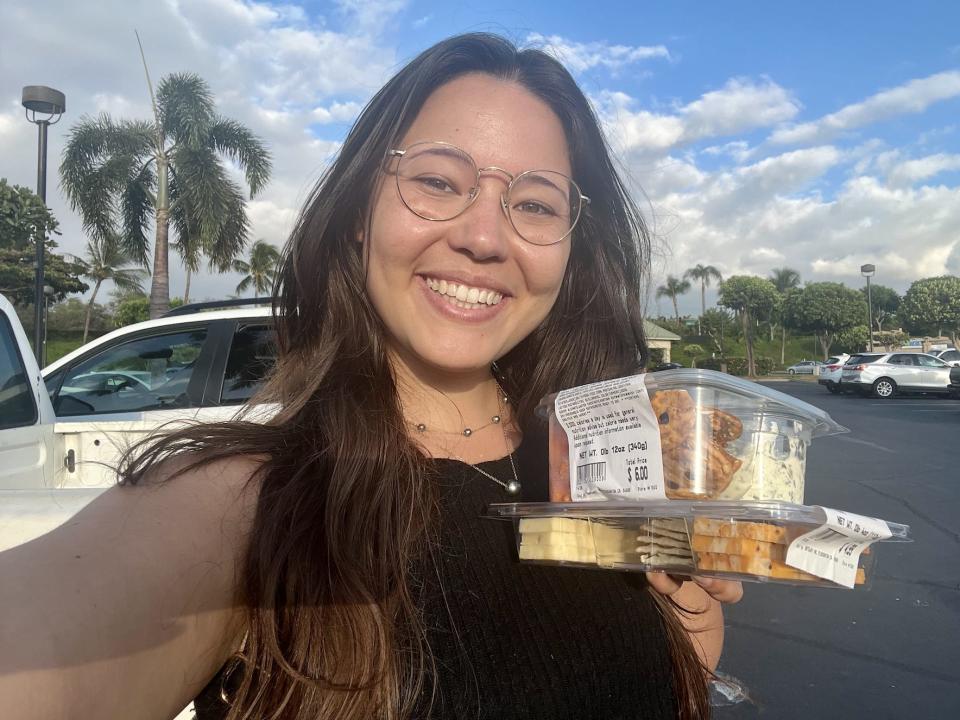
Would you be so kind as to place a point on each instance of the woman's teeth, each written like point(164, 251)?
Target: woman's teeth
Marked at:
point(464, 296)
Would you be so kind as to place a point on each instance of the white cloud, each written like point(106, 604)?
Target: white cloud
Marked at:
point(370, 16)
point(911, 97)
point(911, 171)
point(579, 57)
point(338, 112)
point(739, 106)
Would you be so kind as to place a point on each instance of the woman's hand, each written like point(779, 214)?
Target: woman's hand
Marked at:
point(698, 606)
point(725, 591)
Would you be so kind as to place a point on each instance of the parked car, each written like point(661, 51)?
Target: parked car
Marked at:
point(831, 372)
point(886, 374)
point(954, 386)
point(62, 430)
point(69, 425)
point(667, 366)
point(951, 356)
point(804, 367)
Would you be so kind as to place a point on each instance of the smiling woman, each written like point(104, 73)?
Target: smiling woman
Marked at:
point(446, 274)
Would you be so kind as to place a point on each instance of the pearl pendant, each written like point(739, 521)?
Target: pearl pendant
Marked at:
point(513, 487)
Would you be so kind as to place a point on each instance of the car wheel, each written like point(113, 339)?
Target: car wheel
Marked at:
point(791, 371)
point(834, 390)
point(884, 388)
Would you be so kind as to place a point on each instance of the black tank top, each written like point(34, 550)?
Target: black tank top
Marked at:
point(514, 641)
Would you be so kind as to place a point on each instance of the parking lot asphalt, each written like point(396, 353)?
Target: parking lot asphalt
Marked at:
point(892, 650)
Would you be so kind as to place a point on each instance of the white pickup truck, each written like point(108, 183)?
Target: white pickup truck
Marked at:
point(63, 429)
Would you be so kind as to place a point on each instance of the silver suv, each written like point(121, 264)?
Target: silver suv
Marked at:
point(886, 374)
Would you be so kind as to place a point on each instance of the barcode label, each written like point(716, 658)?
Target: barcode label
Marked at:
point(588, 476)
point(833, 550)
point(613, 440)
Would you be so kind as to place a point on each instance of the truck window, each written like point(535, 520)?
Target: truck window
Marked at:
point(252, 356)
point(147, 373)
point(17, 406)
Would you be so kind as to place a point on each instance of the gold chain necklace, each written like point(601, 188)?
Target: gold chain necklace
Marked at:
point(513, 487)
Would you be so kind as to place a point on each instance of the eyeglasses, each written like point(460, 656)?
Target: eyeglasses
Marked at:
point(439, 181)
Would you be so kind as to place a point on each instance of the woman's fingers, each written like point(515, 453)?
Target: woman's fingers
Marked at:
point(725, 591)
point(664, 583)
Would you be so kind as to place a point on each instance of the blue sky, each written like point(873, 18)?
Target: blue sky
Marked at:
point(819, 136)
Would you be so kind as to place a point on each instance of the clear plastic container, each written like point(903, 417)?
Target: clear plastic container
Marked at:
point(720, 438)
point(744, 541)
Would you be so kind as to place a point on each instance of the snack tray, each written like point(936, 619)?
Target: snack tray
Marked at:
point(663, 536)
point(741, 510)
point(731, 393)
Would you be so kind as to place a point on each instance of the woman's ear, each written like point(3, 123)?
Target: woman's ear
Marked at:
point(359, 232)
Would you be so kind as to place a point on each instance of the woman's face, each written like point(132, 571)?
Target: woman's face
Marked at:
point(410, 259)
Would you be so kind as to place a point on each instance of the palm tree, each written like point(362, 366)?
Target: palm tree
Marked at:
point(671, 289)
point(703, 274)
point(126, 173)
point(260, 270)
point(106, 259)
point(783, 279)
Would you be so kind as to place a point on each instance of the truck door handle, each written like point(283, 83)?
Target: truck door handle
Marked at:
point(70, 461)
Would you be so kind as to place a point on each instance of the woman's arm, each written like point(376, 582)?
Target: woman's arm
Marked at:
point(128, 609)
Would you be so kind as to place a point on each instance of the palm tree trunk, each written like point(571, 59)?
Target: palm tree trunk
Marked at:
point(783, 344)
point(703, 306)
point(160, 284)
point(748, 340)
point(676, 310)
point(86, 320)
point(186, 290)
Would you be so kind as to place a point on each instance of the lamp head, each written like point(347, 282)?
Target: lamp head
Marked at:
point(44, 100)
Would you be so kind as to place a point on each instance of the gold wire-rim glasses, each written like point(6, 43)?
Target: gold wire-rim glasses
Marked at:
point(475, 190)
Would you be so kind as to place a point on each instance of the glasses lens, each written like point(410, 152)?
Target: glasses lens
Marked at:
point(544, 206)
point(436, 181)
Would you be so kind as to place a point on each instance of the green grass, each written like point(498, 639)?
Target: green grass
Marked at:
point(799, 348)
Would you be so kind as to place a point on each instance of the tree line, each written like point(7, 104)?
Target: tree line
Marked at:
point(831, 311)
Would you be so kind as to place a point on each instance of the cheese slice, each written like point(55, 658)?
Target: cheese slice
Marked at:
point(555, 524)
point(557, 553)
point(762, 567)
point(739, 546)
point(765, 532)
point(557, 539)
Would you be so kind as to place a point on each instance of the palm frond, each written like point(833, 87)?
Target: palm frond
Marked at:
point(243, 147)
point(187, 241)
point(98, 162)
point(137, 204)
point(232, 233)
point(186, 108)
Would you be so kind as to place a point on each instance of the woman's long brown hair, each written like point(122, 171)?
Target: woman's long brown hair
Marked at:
point(345, 498)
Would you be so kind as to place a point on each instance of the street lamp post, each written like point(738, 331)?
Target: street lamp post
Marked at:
point(867, 271)
point(44, 107)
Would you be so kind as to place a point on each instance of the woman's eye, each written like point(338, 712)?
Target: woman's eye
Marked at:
point(436, 184)
point(534, 208)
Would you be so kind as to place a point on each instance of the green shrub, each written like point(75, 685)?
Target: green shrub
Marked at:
point(738, 365)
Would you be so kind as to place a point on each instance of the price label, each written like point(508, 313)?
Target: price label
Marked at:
point(833, 550)
point(614, 440)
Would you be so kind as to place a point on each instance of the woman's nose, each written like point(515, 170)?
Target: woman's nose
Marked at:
point(484, 230)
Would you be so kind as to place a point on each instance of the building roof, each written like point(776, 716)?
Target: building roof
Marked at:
point(655, 332)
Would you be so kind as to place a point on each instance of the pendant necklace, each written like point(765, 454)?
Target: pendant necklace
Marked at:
point(513, 487)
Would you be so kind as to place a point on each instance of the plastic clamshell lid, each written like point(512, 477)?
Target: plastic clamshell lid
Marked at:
point(747, 396)
point(777, 512)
